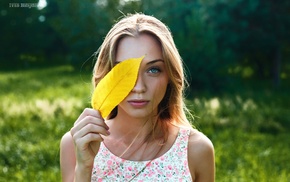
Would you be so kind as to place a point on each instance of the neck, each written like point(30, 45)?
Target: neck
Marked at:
point(130, 135)
point(129, 128)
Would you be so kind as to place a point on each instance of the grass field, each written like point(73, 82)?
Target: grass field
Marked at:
point(250, 129)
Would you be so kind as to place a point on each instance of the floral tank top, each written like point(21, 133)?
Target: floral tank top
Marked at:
point(171, 166)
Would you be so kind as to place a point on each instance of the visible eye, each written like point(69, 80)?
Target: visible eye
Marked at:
point(154, 70)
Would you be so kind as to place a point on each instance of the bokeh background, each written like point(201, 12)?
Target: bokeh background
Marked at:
point(237, 61)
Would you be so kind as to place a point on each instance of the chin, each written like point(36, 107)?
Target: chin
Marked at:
point(139, 114)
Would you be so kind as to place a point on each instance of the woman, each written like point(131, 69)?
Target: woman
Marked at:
point(147, 137)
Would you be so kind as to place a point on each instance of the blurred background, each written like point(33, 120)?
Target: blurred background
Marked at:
point(223, 42)
point(237, 58)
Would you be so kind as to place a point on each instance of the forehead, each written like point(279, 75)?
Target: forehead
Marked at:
point(133, 47)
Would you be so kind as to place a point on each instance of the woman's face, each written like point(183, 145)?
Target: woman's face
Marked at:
point(152, 80)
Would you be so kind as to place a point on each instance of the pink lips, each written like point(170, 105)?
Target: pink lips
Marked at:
point(138, 103)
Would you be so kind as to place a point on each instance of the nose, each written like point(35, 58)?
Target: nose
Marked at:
point(140, 86)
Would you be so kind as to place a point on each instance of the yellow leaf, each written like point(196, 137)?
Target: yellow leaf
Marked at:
point(115, 86)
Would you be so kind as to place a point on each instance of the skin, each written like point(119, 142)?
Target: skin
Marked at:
point(128, 129)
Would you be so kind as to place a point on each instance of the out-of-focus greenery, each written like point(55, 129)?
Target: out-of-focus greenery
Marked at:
point(250, 129)
point(37, 107)
point(221, 41)
point(236, 54)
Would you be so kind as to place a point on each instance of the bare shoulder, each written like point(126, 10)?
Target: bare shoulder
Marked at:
point(66, 144)
point(66, 147)
point(199, 143)
point(201, 156)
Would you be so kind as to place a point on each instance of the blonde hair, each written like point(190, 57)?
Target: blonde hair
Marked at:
point(172, 108)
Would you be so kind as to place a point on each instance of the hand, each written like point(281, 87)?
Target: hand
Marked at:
point(87, 134)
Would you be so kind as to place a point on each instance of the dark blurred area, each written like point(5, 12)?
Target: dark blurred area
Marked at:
point(225, 44)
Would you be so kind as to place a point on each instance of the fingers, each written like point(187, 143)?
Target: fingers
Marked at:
point(89, 112)
point(93, 122)
point(87, 134)
point(83, 142)
point(89, 115)
point(89, 127)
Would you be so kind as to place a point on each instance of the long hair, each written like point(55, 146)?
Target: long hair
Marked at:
point(172, 108)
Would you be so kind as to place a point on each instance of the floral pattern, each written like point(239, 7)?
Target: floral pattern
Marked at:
point(171, 166)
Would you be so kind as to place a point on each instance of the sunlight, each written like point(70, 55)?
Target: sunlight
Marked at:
point(102, 3)
point(41, 4)
point(123, 2)
point(213, 105)
point(249, 104)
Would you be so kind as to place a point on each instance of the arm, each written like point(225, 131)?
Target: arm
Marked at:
point(67, 158)
point(201, 157)
point(79, 146)
point(69, 170)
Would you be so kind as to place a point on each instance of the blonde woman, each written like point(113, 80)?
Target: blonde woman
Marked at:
point(147, 137)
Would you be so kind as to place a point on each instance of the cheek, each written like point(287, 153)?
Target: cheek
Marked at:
point(160, 89)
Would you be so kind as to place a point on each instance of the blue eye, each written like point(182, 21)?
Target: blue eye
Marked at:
point(154, 70)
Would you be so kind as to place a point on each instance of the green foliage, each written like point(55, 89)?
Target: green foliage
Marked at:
point(250, 132)
point(82, 26)
point(195, 41)
point(250, 129)
point(37, 107)
point(220, 41)
point(254, 31)
point(25, 39)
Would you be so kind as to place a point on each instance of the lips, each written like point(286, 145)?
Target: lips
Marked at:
point(138, 103)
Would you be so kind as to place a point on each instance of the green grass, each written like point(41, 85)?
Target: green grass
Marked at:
point(250, 129)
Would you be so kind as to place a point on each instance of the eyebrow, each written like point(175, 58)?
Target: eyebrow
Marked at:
point(150, 62)
point(154, 61)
